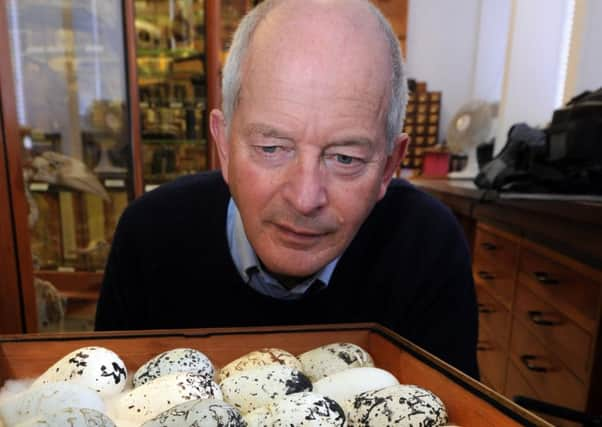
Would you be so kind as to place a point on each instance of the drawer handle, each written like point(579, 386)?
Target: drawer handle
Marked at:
point(488, 246)
point(538, 318)
point(545, 278)
point(484, 346)
point(485, 309)
point(485, 275)
point(528, 360)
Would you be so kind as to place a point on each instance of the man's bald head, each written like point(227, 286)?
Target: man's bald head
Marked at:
point(326, 30)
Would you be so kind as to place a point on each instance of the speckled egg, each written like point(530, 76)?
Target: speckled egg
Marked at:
point(399, 405)
point(258, 387)
point(199, 413)
point(328, 359)
point(96, 367)
point(46, 399)
point(344, 385)
point(169, 362)
point(72, 417)
point(263, 357)
point(300, 410)
point(149, 400)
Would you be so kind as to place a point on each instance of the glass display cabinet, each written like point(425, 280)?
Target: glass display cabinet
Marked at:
point(174, 83)
point(170, 58)
point(100, 101)
point(69, 147)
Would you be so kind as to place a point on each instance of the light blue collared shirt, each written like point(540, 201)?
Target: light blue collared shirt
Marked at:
point(250, 268)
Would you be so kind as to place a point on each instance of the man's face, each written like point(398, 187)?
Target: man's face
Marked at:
point(305, 159)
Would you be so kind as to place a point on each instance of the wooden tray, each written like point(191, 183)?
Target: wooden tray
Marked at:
point(469, 403)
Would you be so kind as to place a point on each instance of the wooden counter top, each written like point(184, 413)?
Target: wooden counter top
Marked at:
point(573, 227)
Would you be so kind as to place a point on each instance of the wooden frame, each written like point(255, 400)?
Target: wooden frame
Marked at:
point(131, 72)
point(212, 55)
point(20, 209)
point(11, 313)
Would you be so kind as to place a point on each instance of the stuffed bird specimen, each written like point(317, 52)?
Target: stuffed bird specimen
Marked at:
point(57, 168)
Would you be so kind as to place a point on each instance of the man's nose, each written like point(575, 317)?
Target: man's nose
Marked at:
point(305, 187)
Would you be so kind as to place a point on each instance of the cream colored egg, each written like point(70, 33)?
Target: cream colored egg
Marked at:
point(344, 385)
point(300, 410)
point(149, 400)
point(72, 417)
point(96, 367)
point(400, 405)
point(328, 359)
point(258, 387)
point(199, 413)
point(169, 362)
point(47, 399)
point(255, 359)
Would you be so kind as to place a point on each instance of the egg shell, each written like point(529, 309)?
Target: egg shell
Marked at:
point(46, 399)
point(399, 405)
point(344, 385)
point(300, 409)
point(169, 362)
point(262, 357)
point(199, 413)
point(72, 417)
point(331, 358)
point(149, 400)
point(96, 367)
point(258, 387)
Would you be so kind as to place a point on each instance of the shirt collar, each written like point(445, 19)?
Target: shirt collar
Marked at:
point(245, 259)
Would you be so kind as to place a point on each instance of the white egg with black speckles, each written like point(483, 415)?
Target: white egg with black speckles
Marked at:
point(399, 405)
point(169, 362)
point(96, 367)
point(300, 410)
point(258, 387)
point(72, 417)
point(344, 385)
point(328, 359)
point(199, 413)
point(45, 399)
point(149, 400)
point(262, 357)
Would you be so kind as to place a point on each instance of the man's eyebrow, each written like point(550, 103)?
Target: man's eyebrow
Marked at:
point(264, 130)
point(352, 141)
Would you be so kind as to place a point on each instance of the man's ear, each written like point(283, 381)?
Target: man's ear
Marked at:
point(400, 146)
point(217, 125)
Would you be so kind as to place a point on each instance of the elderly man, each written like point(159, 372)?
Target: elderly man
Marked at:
point(303, 225)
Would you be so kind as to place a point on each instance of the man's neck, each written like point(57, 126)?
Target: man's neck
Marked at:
point(289, 282)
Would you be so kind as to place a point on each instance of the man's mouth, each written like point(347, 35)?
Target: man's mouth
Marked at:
point(299, 238)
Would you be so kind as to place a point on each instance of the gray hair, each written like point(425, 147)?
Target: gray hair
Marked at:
point(231, 81)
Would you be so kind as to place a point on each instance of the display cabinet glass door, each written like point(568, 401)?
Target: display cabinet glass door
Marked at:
point(69, 80)
point(172, 87)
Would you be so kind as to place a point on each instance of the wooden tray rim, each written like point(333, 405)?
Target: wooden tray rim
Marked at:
point(495, 399)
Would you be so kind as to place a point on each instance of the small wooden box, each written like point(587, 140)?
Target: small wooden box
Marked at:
point(469, 403)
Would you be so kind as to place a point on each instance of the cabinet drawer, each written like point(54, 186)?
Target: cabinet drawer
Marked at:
point(543, 371)
point(493, 251)
point(499, 282)
point(495, 263)
point(570, 342)
point(517, 386)
point(493, 316)
point(492, 360)
point(572, 293)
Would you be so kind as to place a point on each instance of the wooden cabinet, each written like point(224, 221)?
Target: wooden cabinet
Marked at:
point(539, 314)
point(537, 266)
point(75, 79)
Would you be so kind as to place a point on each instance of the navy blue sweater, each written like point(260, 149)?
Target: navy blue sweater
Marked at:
point(407, 268)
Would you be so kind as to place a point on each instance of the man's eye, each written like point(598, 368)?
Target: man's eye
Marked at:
point(344, 159)
point(270, 149)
